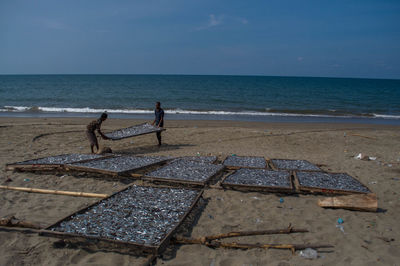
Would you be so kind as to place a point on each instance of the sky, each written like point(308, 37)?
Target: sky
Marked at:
point(322, 38)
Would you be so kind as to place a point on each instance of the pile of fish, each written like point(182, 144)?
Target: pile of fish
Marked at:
point(142, 215)
point(201, 159)
point(133, 131)
point(299, 165)
point(259, 177)
point(245, 161)
point(122, 163)
point(61, 159)
point(187, 170)
point(333, 181)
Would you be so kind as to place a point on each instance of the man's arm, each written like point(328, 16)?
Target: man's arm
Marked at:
point(102, 135)
point(161, 120)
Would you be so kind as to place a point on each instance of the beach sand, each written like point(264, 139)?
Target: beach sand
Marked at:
point(368, 238)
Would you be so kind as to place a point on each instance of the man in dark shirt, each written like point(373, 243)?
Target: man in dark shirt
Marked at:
point(158, 120)
point(90, 131)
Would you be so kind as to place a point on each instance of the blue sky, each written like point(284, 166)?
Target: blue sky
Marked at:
point(279, 38)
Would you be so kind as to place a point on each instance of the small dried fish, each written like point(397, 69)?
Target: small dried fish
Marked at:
point(142, 215)
point(133, 131)
point(61, 159)
point(187, 170)
point(245, 161)
point(300, 165)
point(259, 177)
point(332, 181)
point(122, 163)
point(201, 159)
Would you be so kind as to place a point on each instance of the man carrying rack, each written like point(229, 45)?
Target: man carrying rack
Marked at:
point(90, 131)
point(158, 120)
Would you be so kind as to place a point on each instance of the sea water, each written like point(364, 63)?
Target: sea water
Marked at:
point(247, 98)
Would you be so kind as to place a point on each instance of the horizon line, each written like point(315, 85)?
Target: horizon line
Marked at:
point(228, 75)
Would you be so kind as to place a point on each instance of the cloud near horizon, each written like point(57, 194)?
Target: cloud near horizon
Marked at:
point(214, 21)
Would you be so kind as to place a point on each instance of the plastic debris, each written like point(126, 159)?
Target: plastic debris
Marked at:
point(364, 157)
point(340, 221)
point(340, 227)
point(359, 156)
point(26, 179)
point(281, 200)
point(309, 253)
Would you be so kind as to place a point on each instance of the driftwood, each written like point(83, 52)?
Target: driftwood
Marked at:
point(235, 245)
point(56, 192)
point(204, 240)
point(359, 202)
point(211, 241)
point(292, 247)
point(14, 222)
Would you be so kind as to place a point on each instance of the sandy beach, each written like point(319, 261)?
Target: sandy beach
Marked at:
point(368, 238)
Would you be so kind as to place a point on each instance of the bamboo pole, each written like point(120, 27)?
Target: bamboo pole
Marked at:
point(203, 240)
point(210, 241)
point(292, 247)
point(235, 245)
point(252, 233)
point(56, 192)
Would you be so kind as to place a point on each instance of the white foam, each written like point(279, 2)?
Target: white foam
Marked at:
point(387, 116)
point(172, 111)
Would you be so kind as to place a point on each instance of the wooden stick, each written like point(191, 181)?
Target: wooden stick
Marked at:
point(14, 222)
point(218, 244)
point(358, 135)
point(56, 192)
point(292, 247)
point(203, 240)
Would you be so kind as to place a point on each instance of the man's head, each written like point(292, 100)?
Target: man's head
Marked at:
point(158, 105)
point(103, 116)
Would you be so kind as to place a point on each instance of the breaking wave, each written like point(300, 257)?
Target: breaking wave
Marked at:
point(267, 112)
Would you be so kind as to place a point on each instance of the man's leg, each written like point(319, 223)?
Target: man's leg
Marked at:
point(159, 138)
point(92, 140)
point(97, 145)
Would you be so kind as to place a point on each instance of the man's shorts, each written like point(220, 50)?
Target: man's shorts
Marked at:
point(91, 137)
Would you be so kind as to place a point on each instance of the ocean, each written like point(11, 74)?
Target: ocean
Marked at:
point(245, 98)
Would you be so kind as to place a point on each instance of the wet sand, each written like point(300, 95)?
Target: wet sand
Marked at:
point(367, 237)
